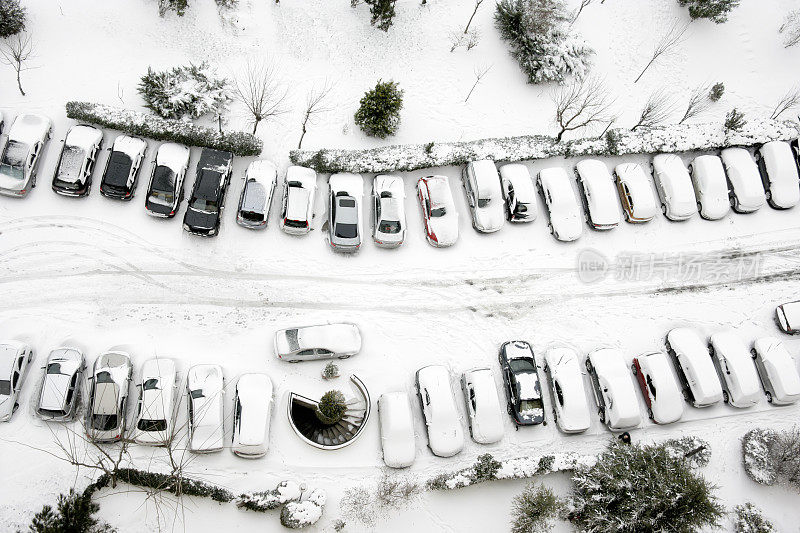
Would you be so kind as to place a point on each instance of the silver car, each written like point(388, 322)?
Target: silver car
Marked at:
point(108, 398)
point(256, 198)
point(19, 158)
point(15, 357)
point(325, 341)
point(344, 212)
point(61, 385)
point(389, 222)
point(297, 210)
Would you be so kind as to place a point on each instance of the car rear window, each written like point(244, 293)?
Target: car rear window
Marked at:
point(152, 425)
point(346, 231)
point(389, 226)
point(347, 202)
point(104, 422)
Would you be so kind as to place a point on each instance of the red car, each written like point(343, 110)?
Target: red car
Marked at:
point(438, 210)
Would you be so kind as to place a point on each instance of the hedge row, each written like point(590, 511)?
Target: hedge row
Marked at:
point(166, 482)
point(672, 138)
point(161, 129)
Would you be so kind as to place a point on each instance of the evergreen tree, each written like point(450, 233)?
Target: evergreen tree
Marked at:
point(12, 18)
point(716, 92)
point(74, 514)
point(734, 120)
point(749, 519)
point(382, 13)
point(533, 511)
point(714, 10)
point(378, 114)
point(189, 91)
point(331, 407)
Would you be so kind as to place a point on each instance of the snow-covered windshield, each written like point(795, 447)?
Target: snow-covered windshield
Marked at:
point(389, 226)
point(438, 212)
point(530, 405)
point(14, 159)
point(54, 368)
point(5, 387)
point(483, 202)
point(71, 162)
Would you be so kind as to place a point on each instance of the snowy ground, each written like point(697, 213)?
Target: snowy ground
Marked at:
point(99, 273)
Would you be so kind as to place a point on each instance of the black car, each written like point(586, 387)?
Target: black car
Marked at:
point(521, 383)
point(208, 194)
point(122, 167)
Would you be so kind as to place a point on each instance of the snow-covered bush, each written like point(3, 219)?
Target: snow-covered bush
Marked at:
point(734, 120)
point(161, 129)
point(791, 28)
point(186, 92)
point(330, 371)
point(636, 487)
point(331, 407)
point(534, 509)
point(716, 92)
point(178, 6)
point(12, 18)
point(299, 514)
point(382, 12)
point(749, 519)
point(486, 467)
point(693, 449)
point(378, 114)
point(714, 10)
point(393, 491)
point(538, 32)
point(73, 513)
point(285, 492)
point(772, 457)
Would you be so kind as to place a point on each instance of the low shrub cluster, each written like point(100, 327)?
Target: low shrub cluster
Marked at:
point(285, 492)
point(747, 518)
point(533, 511)
point(188, 91)
point(772, 457)
point(74, 513)
point(161, 129)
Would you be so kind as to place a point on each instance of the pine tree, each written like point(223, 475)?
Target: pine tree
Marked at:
point(178, 6)
point(331, 407)
point(714, 10)
point(716, 92)
point(74, 514)
point(188, 91)
point(734, 120)
point(12, 18)
point(382, 13)
point(749, 519)
point(533, 510)
point(378, 114)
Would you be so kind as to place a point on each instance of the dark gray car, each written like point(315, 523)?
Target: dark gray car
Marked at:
point(208, 194)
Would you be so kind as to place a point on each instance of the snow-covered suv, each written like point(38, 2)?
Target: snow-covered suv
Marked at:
point(19, 159)
point(73, 174)
point(484, 196)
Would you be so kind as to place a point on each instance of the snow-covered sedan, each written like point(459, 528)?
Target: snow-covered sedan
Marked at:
point(570, 408)
point(521, 383)
point(254, 202)
point(297, 209)
point(15, 358)
point(204, 211)
point(206, 390)
point(397, 430)
point(108, 397)
point(388, 211)
point(613, 389)
point(445, 435)
point(344, 211)
point(519, 192)
point(635, 193)
point(659, 388)
point(252, 407)
point(788, 317)
point(168, 173)
point(779, 175)
point(562, 205)
point(122, 168)
point(61, 385)
point(19, 160)
point(777, 370)
point(155, 408)
point(325, 341)
point(710, 186)
point(598, 194)
point(73, 174)
point(484, 196)
point(696, 372)
point(483, 405)
point(674, 187)
point(740, 385)
point(438, 210)
point(746, 188)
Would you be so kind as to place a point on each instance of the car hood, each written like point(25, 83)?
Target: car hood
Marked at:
point(200, 220)
point(490, 218)
point(446, 442)
point(13, 184)
point(567, 225)
point(6, 407)
point(445, 229)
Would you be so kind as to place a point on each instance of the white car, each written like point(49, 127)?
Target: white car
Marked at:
point(438, 210)
point(256, 198)
point(61, 385)
point(746, 189)
point(206, 389)
point(22, 152)
point(73, 173)
point(778, 168)
point(108, 398)
point(659, 388)
point(344, 211)
point(635, 193)
point(15, 358)
point(562, 205)
point(518, 192)
point(570, 407)
point(388, 209)
point(696, 372)
point(155, 411)
point(777, 370)
point(613, 389)
point(788, 317)
point(326, 341)
point(397, 430)
point(484, 196)
point(710, 186)
point(297, 210)
point(445, 435)
point(251, 415)
point(740, 385)
point(598, 194)
point(483, 405)
point(674, 186)
point(167, 175)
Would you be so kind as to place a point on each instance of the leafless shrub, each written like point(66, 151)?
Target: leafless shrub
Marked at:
point(480, 72)
point(15, 52)
point(699, 102)
point(582, 103)
point(657, 110)
point(788, 101)
point(315, 105)
point(261, 92)
point(393, 491)
point(791, 29)
point(674, 36)
point(584, 4)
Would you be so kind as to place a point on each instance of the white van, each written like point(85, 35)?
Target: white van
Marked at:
point(777, 370)
point(206, 389)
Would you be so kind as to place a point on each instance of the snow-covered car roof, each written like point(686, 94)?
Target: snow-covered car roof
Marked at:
point(301, 183)
point(711, 186)
point(29, 128)
point(158, 380)
point(397, 429)
point(781, 167)
point(340, 338)
point(65, 363)
point(565, 211)
point(781, 368)
point(743, 175)
point(255, 394)
point(393, 184)
point(174, 156)
point(352, 184)
point(667, 400)
point(632, 175)
point(133, 147)
point(217, 161)
point(9, 351)
point(675, 184)
point(564, 368)
point(487, 422)
point(445, 435)
point(692, 353)
point(601, 195)
point(737, 365)
point(83, 137)
point(613, 374)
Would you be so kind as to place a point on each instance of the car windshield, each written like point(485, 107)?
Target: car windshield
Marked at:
point(389, 226)
point(483, 202)
point(104, 422)
point(54, 368)
point(14, 159)
point(438, 212)
point(151, 425)
point(529, 405)
point(197, 393)
point(346, 231)
point(522, 208)
point(71, 162)
point(252, 216)
point(119, 169)
point(201, 204)
point(163, 187)
point(295, 223)
point(5, 387)
point(150, 384)
point(521, 365)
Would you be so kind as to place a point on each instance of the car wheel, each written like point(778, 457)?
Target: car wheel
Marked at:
point(769, 397)
point(633, 369)
point(602, 414)
point(589, 366)
point(33, 181)
point(550, 227)
point(754, 353)
point(686, 394)
point(699, 207)
point(510, 410)
point(546, 368)
point(650, 413)
point(555, 416)
point(725, 397)
point(711, 350)
point(664, 209)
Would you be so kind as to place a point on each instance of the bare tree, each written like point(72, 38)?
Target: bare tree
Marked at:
point(674, 36)
point(584, 102)
point(480, 72)
point(699, 102)
point(657, 109)
point(788, 101)
point(315, 106)
point(477, 5)
point(261, 92)
point(584, 5)
point(791, 28)
point(15, 52)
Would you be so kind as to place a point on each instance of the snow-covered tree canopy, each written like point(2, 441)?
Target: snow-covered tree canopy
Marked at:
point(186, 92)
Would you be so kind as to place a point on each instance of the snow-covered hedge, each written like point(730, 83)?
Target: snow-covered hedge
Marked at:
point(671, 138)
point(166, 482)
point(285, 492)
point(297, 510)
point(756, 456)
point(161, 129)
